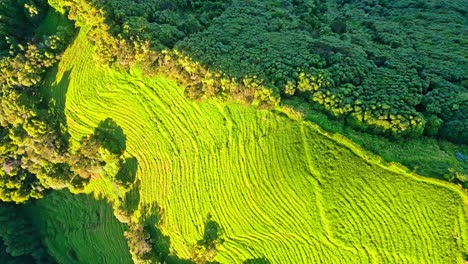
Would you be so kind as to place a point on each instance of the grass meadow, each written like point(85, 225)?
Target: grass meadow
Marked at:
point(79, 229)
point(280, 190)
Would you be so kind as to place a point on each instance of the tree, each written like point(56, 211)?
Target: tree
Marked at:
point(139, 242)
point(19, 237)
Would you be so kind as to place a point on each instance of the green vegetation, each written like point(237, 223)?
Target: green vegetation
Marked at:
point(239, 175)
point(18, 19)
point(378, 65)
point(239, 50)
point(79, 229)
point(20, 242)
point(31, 147)
point(425, 156)
point(35, 155)
point(276, 190)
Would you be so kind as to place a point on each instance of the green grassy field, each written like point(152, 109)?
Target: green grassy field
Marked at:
point(79, 229)
point(280, 189)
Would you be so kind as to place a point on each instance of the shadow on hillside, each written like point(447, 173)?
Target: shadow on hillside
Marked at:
point(206, 249)
point(161, 243)
point(262, 260)
point(66, 218)
point(127, 171)
point(111, 137)
point(57, 97)
point(132, 198)
point(211, 235)
point(58, 92)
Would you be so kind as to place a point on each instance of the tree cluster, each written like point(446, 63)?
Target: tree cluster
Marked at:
point(19, 240)
point(17, 18)
point(206, 248)
point(389, 67)
point(363, 62)
point(139, 242)
point(34, 152)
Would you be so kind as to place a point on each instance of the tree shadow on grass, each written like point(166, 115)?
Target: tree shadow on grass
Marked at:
point(211, 236)
point(161, 243)
point(127, 172)
point(132, 198)
point(262, 260)
point(56, 98)
point(205, 250)
point(111, 136)
point(56, 93)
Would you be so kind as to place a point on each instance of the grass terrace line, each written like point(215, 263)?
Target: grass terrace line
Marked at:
point(280, 189)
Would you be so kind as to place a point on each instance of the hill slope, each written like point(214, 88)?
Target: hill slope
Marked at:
point(79, 229)
point(276, 189)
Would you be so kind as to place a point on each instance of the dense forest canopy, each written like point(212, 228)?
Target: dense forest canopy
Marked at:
point(19, 240)
point(388, 67)
point(18, 19)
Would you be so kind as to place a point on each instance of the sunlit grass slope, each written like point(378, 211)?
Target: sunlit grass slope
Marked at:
point(79, 229)
point(279, 189)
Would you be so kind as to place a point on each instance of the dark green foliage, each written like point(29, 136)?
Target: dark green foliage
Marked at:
point(35, 155)
point(255, 38)
point(23, 70)
point(164, 22)
point(18, 238)
point(18, 19)
point(88, 161)
point(206, 248)
point(432, 127)
point(31, 142)
point(456, 130)
point(104, 146)
point(111, 136)
point(30, 148)
point(394, 67)
point(257, 261)
point(375, 86)
point(212, 230)
point(127, 173)
point(6, 258)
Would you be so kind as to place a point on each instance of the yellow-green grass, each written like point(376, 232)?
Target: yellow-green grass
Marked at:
point(79, 229)
point(280, 189)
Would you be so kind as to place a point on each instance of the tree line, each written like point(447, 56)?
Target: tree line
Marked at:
point(376, 65)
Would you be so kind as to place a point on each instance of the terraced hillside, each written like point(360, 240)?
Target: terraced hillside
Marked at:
point(279, 189)
point(79, 229)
